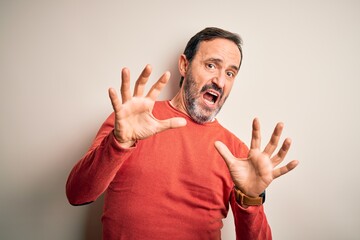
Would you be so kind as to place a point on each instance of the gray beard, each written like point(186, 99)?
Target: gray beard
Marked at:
point(199, 114)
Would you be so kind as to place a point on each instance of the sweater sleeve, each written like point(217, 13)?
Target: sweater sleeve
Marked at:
point(92, 175)
point(251, 222)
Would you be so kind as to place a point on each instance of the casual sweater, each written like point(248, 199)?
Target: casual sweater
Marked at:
point(172, 185)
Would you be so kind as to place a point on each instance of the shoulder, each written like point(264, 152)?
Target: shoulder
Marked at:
point(160, 109)
point(235, 144)
point(160, 105)
point(163, 110)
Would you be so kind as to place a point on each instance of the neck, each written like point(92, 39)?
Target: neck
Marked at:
point(178, 102)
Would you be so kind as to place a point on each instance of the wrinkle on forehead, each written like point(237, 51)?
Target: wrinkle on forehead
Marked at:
point(223, 50)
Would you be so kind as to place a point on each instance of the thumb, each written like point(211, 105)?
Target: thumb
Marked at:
point(225, 153)
point(171, 123)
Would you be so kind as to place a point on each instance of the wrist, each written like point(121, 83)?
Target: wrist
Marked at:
point(123, 144)
point(245, 200)
point(126, 144)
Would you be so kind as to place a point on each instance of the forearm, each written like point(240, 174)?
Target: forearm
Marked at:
point(91, 176)
point(93, 173)
point(250, 222)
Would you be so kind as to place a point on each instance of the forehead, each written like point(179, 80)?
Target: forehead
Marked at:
point(219, 48)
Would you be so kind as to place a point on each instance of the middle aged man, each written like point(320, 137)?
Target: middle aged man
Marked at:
point(159, 161)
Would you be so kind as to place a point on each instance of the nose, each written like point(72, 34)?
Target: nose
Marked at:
point(219, 80)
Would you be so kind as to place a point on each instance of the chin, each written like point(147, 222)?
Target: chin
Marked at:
point(200, 117)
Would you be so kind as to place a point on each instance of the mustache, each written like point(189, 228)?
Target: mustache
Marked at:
point(212, 86)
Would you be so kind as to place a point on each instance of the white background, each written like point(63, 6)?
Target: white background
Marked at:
point(301, 66)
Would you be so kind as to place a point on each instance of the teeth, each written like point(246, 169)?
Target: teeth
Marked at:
point(211, 97)
point(214, 96)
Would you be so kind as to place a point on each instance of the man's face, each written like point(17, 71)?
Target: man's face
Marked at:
point(209, 78)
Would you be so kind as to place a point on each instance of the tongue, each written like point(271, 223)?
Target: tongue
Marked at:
point(209, 97)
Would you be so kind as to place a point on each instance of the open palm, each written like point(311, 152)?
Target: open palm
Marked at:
point(133, 115)
point(252, 175)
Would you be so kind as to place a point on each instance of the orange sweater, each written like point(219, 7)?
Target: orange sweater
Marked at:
point(173, 185)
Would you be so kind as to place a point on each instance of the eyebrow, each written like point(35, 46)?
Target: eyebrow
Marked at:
point(218, 60)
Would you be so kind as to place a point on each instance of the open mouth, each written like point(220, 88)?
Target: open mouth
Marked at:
point(211, 97)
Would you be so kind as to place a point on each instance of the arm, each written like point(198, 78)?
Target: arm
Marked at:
point(252, 175)
point(131, 121)
point(250, 222)
point(91, 176)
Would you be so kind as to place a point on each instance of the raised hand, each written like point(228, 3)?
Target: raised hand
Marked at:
point(133, 115)
point(252, 175)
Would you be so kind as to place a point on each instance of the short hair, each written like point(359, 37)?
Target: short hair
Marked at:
point(208, 34)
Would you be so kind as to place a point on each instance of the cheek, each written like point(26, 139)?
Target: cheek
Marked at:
point(200, 81)
point(228, 87)
point(204, 75)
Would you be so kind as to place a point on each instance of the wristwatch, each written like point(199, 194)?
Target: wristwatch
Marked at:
point(243, 199)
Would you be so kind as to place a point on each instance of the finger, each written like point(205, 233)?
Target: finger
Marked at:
point(115, 102)
point(283, 170)
point(274, 140)
point(280, 156)
point(158, 86)
point(225, 153)
point(171, 123)
point(125, 85)
point(142, 80)
point(256, 136)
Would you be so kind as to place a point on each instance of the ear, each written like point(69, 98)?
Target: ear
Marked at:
point(183, 65)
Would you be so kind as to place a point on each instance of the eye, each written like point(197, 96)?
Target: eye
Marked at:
point(230, 74)
point(210, 66)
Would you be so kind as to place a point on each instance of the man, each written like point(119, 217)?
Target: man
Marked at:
point(169, 168)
